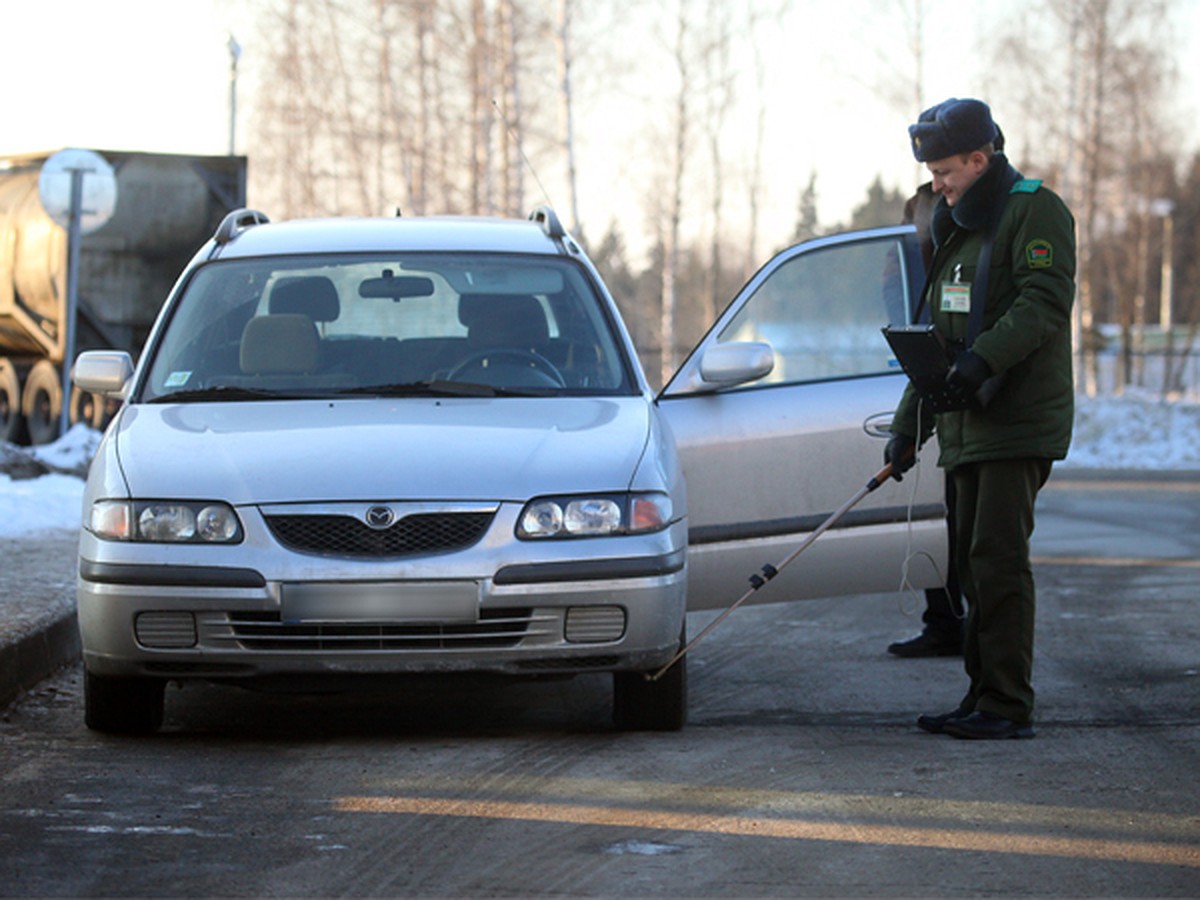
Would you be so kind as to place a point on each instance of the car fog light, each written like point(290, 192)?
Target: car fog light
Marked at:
point(165, 629)
point(594, 624)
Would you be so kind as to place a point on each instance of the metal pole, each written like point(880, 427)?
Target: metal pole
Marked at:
point(1165, 317)
point(74, 235)
point(235, 51)
point(769, 572)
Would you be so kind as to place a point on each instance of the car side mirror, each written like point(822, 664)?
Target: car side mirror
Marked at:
point(736, 362)
point(104, 372)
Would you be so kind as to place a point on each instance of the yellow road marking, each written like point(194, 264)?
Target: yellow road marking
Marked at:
point(1156, 853)
point(568, 790)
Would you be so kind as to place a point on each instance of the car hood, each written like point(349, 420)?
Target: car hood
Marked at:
point(372, 449)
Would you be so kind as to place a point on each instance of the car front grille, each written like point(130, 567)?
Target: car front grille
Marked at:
point(496, 628)
point(336, 535)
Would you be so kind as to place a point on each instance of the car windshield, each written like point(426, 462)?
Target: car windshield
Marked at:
point(396, 325)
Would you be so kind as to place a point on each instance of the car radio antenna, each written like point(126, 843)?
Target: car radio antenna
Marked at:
point(525, 159)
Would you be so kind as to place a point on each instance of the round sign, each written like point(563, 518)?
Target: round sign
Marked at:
point(98, 197)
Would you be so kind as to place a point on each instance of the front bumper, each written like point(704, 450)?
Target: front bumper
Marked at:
point(230, 613)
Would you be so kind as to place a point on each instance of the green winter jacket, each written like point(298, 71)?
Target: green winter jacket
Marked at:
point(1026, 331)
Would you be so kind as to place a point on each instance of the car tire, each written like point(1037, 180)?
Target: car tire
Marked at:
point(123, 705)
point(640, 704)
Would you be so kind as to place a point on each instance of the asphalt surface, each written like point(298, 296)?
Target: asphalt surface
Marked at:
point(39, 633)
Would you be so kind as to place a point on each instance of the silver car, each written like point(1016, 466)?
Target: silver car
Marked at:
point(362, 447)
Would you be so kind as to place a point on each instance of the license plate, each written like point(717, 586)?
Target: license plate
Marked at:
point(452, 602)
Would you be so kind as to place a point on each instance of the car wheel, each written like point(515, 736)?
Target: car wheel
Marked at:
point(122, 705)
point(640, 704)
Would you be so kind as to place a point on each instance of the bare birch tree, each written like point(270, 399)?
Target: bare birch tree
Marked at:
point(674, 210)
point(1113, 77)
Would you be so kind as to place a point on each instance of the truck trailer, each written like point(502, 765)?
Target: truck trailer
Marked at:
point(167, 205)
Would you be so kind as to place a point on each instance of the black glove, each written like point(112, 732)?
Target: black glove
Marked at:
point(901, 453)
point(968, 374)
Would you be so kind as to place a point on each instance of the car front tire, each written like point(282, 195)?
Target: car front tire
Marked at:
point(123, 705)
point(640, 704)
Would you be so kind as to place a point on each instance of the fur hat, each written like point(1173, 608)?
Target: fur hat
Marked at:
point(953, 126)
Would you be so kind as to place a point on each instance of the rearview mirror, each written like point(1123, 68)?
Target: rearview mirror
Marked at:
point(397, 286)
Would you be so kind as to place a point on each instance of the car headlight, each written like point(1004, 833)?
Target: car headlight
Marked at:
point(165, 521)
point(594, 515)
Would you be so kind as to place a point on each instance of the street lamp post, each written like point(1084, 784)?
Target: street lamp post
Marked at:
point(1163, 209)
point(235, 52)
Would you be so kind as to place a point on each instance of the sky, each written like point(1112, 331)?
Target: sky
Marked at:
point(153, 75)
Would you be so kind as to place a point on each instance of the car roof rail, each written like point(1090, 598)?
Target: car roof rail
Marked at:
point(237, 222)
point(548, 219)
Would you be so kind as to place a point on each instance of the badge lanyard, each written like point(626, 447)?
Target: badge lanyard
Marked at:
point(974, 294)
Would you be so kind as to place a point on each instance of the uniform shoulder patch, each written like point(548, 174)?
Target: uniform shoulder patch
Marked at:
point(1026, 186)
point(1039, 254)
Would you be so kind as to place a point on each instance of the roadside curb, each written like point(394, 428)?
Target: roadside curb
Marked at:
point(34, 653)
point(1165, 476)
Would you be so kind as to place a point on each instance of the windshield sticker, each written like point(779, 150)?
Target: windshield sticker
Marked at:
point(177, 379)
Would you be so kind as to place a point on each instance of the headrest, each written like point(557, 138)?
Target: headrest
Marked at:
point(275, 345)
point(311, 295)
point(503, 320)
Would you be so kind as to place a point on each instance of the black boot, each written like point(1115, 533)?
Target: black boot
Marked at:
point(927, 644)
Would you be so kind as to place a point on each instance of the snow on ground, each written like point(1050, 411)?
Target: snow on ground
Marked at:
point(1135, 432)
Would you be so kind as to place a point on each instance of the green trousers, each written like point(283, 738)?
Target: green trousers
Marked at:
point(994, 520)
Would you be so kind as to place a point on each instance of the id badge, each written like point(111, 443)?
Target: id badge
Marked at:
point(956, 297)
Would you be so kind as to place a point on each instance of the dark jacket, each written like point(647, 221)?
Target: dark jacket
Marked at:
point(1026, 330)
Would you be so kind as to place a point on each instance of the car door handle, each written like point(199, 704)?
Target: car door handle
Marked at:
point(879, 424)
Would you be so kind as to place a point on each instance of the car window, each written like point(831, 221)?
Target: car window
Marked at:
point(822, 310)
point(352, 323)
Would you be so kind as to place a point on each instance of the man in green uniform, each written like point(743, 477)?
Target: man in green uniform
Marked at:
point(1011, 376)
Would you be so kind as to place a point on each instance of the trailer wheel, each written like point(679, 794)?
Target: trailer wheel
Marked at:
point(10, 403)
point(42, 402)
point(86, 407)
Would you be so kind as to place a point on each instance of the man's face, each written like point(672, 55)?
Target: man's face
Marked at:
point(954, 174)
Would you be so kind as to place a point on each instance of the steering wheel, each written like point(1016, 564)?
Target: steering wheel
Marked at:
point(547, 374)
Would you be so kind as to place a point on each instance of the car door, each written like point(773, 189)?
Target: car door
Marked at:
point(769, 460)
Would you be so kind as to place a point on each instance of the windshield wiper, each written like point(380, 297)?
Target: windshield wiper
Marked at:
point(442, 386)
point(221, 392)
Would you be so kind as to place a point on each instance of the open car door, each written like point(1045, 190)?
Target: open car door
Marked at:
point(770, 456)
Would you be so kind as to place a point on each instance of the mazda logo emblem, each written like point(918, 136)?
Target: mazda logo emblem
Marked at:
point(380, 517)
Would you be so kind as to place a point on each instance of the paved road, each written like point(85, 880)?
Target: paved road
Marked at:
point(801, 772)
